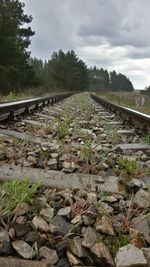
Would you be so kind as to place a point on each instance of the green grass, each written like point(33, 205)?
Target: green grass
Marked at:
point(16, 192)
point(119, 241)
point(63, 129)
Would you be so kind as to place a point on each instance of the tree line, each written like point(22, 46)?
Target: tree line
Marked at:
point(62, 72)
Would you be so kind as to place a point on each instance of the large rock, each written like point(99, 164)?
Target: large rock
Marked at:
point(130, 256)
point(47, 213)
point(62, 248)
point(146, 252)
point(142, 199)
point(65, 212)
point(104, 226)
point(103, 254)
point(135, 184)
point(104, 208)
point(73, 260)
point(23, 249)
point(40, 224)
point(89, 237)
point(49, 254)
point(52, 163)
point(76, 247)
point(5, 246)
point(63, 263)
point(141, 225)
point(59, 225)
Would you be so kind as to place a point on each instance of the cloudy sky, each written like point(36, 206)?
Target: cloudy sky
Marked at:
point(113, 34)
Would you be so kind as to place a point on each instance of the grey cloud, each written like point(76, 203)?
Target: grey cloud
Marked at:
point(138, 53)
point(78, 24)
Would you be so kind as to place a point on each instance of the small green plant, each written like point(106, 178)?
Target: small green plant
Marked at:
point(16, 192)
point(86, 151)
point(45, 153)
point(63, 128)
point(145, 139)
point(126, 166)
point(117, 242)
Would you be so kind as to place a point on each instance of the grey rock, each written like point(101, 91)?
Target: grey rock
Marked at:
point(144, 158)
point(91, 197)
point(63, 263)
point(110, 199)
point(40, 223)
point(130, 256)
point(142, 199)
point(146, 252)
point(65, 212)
point(54, 155)
point(73, 260)
point(104, 226)
point(5, 246)
point(76, 247)
point(141, 225)
point(59, 225)
point(31, 159)
point(47, 213)
point(62, 248)
point(23, 249)
point(135, 185)
point(21, 220)
point(49, 254)
point(103, 254)
point(88, 220)
point(104, 207)
point(66, 165)
point(52, 163)
point(89, 237)
point(32, 237)
point(77, 219)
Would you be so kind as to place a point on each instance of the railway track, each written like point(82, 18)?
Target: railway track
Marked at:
point(12, 109)
point(89, 162)
point(129, 116)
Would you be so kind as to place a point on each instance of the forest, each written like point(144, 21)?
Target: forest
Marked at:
point(64, 71)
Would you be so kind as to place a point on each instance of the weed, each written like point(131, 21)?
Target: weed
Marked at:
point(129, 216)
point(145, 139)
point(63, 128)
point(16, 192)
point(80, 207)
point(119, 241)
point(86, 151)
point(45, 153)
point(126, 166)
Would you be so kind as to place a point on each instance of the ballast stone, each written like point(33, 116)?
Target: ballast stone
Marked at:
point(130, 256)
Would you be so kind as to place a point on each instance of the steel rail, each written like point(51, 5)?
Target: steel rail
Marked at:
point(11, 109)
point(131, 116)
